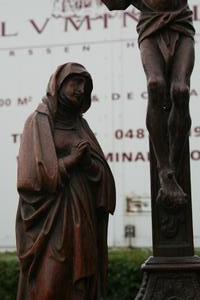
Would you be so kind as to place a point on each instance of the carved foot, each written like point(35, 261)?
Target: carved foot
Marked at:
point(170, 194)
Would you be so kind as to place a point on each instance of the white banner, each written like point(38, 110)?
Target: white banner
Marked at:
point(37, 36)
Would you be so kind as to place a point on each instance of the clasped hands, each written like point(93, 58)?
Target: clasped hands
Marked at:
point(80, 154)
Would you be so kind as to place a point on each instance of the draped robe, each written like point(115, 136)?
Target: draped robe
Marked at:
point(62, 217)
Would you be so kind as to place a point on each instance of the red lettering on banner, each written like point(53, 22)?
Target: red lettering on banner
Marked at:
point(24, 101)
point(5, 102)
point(127, 15)
point(195, 155)
point(95, 98)
point(144, 95)
point(116, 156)
point(77, 24)
point(139, 156)
point(196, 12)
point(109, 157)
point(193, 93)
point(3, 31)
point(115, 96)
point(130, 96)
point(38, 29)
point(127, 157)
point(16, 137)
point(106, 17)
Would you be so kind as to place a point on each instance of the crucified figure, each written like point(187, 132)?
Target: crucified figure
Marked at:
point(166, 42)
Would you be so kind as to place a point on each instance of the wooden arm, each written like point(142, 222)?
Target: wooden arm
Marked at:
point(122, 4)
point(117, 4)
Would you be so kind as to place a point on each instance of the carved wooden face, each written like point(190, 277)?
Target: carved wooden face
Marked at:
point(73, 89)
point(165, 5)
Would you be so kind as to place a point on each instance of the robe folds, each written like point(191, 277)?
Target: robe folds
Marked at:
point(151, 23)
point(62, 217)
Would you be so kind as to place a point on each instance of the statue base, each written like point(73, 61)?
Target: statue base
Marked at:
point(173, 273)
point(170, 278)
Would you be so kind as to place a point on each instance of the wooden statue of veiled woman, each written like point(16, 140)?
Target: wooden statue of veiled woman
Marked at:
point(66, 193)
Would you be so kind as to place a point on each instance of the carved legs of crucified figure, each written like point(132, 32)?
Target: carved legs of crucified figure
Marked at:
point(168, 134)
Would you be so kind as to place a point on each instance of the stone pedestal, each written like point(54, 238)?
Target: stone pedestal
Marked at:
point(173, 273)
point(174, 278)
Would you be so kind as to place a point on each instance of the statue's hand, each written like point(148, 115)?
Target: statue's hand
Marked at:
point(86, 159)
point(80, 154)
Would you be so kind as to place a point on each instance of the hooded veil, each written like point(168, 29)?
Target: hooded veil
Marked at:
point(61, 225)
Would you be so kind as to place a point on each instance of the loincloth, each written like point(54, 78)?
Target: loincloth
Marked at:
point(152, 22)
point(167, 41)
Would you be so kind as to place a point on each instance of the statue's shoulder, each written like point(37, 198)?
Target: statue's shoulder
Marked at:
point(42, 108)
point(35, 116)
